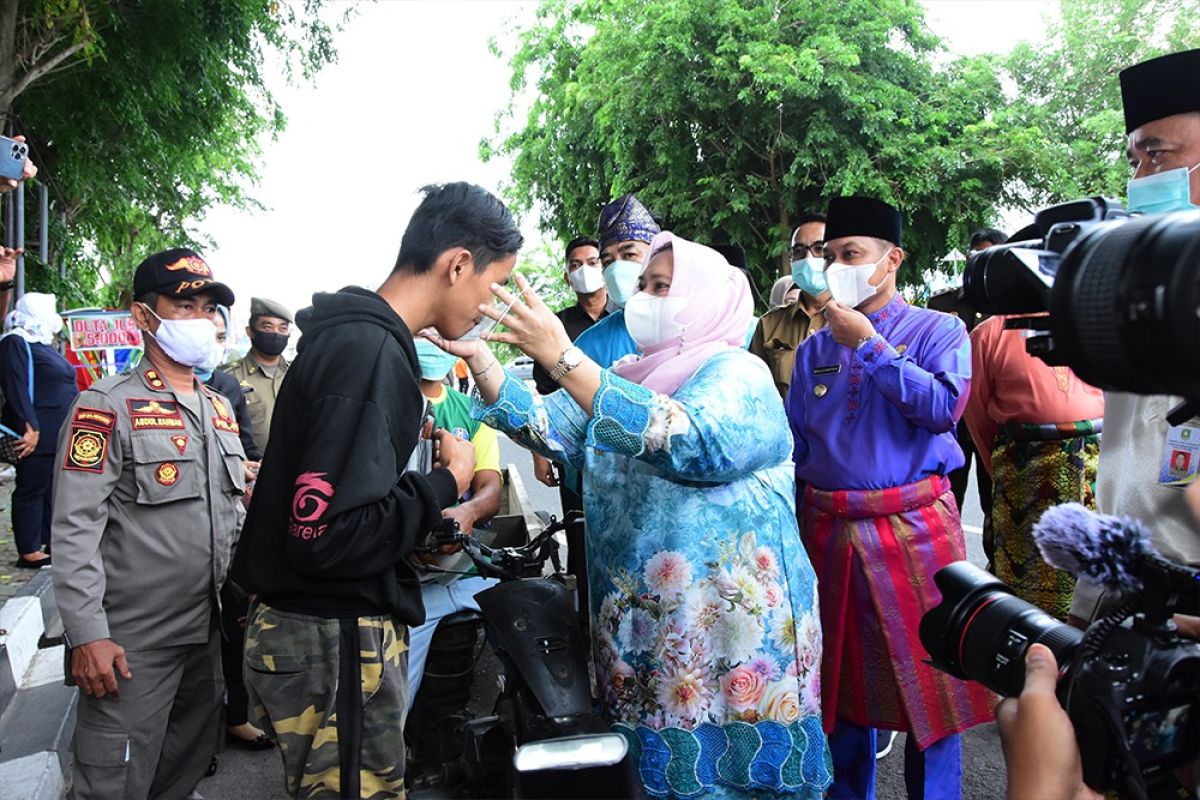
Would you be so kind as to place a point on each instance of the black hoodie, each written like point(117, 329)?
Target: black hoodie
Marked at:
point(334, 514)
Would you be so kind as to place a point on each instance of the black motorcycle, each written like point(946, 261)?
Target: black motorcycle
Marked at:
point(544, 736)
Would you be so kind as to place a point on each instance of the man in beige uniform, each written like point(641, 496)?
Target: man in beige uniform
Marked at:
point(782, 330)
point(1161, 100)
point(262, 369)
point(147, 505)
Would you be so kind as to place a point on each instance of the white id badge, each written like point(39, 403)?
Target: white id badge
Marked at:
point(1181, 456)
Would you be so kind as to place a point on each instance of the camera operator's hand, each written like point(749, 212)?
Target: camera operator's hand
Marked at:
point(7, 185)
point(1189, 627)
point(455, 455)
point(849, 326)
point(1039, 742)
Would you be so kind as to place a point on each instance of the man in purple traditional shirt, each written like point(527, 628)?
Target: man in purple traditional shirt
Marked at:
point(873, 403)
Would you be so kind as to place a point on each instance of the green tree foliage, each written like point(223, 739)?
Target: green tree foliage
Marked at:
point(154, 113)
point(1064, 131)
point(728, 117)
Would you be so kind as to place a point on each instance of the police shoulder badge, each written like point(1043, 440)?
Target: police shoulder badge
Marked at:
point(87, 447)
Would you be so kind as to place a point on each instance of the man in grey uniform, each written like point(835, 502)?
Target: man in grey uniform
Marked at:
point(147, 506)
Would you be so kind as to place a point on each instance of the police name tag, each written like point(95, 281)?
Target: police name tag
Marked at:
point(1181, 456)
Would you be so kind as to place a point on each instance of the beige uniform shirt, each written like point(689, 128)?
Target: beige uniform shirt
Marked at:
point(147, 510)
point(780, 333)
point(261, 390)
point(1131, 451)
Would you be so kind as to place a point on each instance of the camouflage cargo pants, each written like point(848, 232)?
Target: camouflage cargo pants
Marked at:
point(333, 693)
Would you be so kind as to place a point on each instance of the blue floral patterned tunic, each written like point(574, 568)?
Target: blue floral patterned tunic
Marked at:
point(706, 632)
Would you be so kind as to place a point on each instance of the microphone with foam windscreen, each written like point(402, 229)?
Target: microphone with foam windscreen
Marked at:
point(1101, 548)
point(1113, 552)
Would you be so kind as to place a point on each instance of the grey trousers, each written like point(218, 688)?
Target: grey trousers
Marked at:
point(158, 737)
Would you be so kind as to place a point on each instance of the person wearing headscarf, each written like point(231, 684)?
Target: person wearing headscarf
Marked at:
point(38, 386)
point(705, 629)
point(626, 229)
point(874, 399)
point(779, 290)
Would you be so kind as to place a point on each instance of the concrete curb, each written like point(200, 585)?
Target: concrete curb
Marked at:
point(37, 710)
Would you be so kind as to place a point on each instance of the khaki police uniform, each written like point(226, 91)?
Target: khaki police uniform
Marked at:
point(147, 509)
point(261, 391)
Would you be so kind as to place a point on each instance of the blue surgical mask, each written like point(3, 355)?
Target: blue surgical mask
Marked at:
point(1162, 192)
point(621, 278)
point(809, 275)
point(434, 361)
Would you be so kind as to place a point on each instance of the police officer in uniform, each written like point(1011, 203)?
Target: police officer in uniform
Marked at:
point(146, 510)
point(261, 371)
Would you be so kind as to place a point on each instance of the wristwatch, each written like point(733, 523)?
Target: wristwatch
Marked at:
point(569, 360)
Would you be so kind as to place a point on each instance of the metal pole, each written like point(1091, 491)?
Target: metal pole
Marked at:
point(44, 223)
point(19, 197)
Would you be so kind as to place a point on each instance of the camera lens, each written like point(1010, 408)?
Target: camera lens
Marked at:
point(1124, 293)
point(1012, 278)
point(981, 631)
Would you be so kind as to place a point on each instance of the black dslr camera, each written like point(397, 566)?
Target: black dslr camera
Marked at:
point(1122, 294)
point(1131, 691)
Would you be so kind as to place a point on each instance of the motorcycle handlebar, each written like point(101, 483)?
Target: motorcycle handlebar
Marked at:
point(495, 561)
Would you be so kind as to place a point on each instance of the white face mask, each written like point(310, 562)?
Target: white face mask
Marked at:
point(651, 320)
point(586, 279)
point(850, 284)
point(189, 342)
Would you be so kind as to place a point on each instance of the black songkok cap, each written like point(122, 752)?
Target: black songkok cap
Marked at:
point(1160, 87)
point(734, 254)
point(863, 216)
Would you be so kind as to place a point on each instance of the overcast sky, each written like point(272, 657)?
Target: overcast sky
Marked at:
point(414, 90)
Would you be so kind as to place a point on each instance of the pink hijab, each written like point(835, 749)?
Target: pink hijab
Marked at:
point(717, 316)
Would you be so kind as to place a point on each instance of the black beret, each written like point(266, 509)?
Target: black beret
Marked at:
point(863, 216)
point(1160, 87)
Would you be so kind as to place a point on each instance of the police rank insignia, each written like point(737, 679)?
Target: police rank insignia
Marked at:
point(167, 473)
point(88, 444)
point(153, 381)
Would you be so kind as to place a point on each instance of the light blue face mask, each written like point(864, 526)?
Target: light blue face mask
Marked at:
point(621, 278)
point(1163, 192)
point(434, 361)
point(809, 275)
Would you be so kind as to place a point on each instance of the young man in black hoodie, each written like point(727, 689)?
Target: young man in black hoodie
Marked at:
point(339, 507)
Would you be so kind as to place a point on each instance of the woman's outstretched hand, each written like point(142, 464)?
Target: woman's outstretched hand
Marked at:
point(532, 327)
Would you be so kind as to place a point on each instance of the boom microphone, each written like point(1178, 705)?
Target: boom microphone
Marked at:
point(1104, 549)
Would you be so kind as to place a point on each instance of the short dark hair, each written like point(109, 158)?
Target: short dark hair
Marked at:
point(457, 215)
point(987, 235)
point(580, 241)
point(809, 218)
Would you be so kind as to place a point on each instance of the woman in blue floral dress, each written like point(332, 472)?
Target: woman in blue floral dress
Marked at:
point(706, 631)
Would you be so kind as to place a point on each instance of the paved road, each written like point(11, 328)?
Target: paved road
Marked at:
point(258, 776)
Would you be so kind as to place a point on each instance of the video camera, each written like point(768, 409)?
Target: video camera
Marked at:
point(1116, 298)
point(1129, 689)
point(1122, 294)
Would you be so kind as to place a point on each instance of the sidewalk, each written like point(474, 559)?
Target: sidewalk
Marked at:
point(11, 578)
